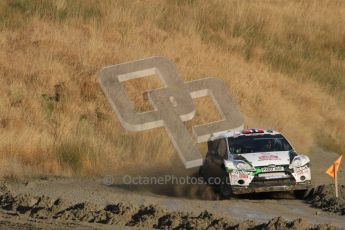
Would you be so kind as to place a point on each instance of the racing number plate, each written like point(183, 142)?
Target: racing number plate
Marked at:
point(273, 169)
point(274, 175)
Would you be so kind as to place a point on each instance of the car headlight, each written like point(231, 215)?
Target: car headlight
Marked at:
point(299, 161)
point(241, 165)
point(229, 166)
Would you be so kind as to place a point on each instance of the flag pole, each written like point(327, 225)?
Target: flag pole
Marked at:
point(336, 181)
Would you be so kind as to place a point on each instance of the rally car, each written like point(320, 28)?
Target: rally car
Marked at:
point(253, 161)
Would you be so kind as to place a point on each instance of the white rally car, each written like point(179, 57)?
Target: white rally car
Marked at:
point(255, 160)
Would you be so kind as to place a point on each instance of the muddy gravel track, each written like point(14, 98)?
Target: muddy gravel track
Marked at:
point(90, 203)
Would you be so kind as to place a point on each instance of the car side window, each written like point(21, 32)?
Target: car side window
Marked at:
point(222, 150)
point(213, 147)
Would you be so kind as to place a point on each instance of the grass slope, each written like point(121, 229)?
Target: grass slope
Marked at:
point(282, 61)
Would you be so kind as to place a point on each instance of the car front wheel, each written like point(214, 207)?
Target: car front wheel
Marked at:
point(225, 190)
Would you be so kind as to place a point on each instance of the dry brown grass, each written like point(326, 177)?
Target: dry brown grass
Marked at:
point(283, 61)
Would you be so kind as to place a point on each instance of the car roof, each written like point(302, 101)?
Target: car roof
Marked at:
point(244, 132)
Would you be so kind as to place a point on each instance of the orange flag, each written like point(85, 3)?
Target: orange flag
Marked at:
point(334, 168)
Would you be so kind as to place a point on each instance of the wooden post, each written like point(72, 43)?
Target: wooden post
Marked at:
point(336, 181)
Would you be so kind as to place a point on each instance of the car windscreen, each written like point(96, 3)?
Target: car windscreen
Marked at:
point(258, 143)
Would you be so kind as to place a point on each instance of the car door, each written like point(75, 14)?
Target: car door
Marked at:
point(216, 158)
point(207, 167)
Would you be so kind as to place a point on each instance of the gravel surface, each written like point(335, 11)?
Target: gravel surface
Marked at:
point(90, 203)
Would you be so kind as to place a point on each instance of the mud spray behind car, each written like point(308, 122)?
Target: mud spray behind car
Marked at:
point(255, 160)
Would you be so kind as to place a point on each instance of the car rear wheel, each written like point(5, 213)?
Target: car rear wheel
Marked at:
point(203, 174)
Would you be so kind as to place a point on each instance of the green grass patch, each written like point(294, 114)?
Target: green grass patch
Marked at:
point(72, 154)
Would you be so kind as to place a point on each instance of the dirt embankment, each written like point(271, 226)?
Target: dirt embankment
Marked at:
point(323, 197)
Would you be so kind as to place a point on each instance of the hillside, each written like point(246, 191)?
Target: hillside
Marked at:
point(284, 63)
